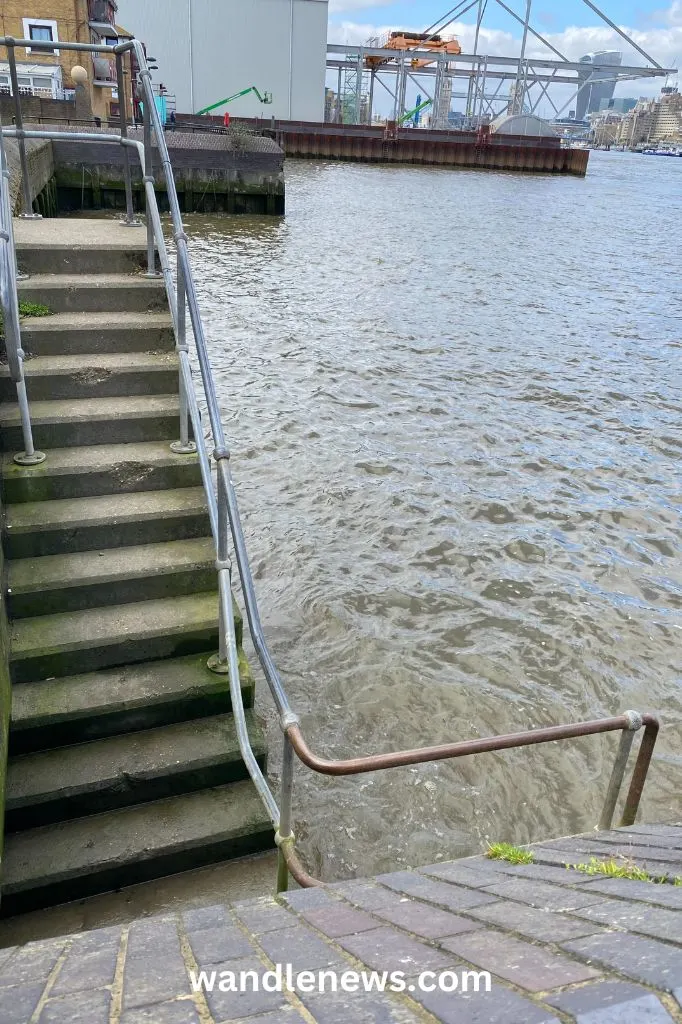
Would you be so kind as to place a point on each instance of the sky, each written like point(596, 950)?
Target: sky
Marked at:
point(569, 24)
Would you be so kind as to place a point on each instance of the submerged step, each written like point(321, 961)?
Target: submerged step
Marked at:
point(89, 579)
point(126, 699)
point(94, 293)
point(74, 642)
point(73, 422)
point(105, 521)
point(114, 332)
point(78, 858)
point(100, 375)
point(101, 775)
point(99, 469)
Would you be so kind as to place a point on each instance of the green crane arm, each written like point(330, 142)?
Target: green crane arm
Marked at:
point(410, 114)
point(264, 98)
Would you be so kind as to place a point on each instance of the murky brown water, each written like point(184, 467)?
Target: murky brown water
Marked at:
point(454, 404)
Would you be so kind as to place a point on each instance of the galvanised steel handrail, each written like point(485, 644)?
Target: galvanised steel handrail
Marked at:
point(9, 304)
point(225, 521)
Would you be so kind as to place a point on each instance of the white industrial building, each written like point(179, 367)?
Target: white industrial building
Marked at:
point(209, 49)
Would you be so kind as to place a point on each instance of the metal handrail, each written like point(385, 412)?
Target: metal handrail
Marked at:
point(225, 520)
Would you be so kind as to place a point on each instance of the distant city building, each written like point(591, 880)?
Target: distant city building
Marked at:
point(456, 119)
point(597, 85)
point(621, 105)
point(653, 121)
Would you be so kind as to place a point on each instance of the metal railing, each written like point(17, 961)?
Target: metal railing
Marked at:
point(226, 523)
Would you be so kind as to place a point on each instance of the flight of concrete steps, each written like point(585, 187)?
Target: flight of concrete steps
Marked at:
point(124, 764)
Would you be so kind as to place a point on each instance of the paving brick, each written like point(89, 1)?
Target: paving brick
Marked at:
point(154, 979)
point(180, 1011)
point(299, 947)
point(611, 1002)
point(81, 1008)
point(17, 1004)
point(206, 917)
point(287, 1015)
point(546, 873)
point(339, 920)
point(654, 921)
point(364, 894)
point(545, 895)
point(499, 1006)
point(306, 899)
point(442, 893)
point(211, 945)
point(475, 874)
point(530, 967)
point(261, 916)
point(656, 865)
point(152, 934)
point(6, 953)
point(32, 964)
point(424, 920)
point(82, 972)
point(669, 896)
point(641, 959)
point(541, 925)
point(357, 1008)
point(228, 1006)
point(386, 950)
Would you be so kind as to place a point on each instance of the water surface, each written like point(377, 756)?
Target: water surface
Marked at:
point(454, 404)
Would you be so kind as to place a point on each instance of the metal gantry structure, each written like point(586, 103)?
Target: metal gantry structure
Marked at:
point(488, 84)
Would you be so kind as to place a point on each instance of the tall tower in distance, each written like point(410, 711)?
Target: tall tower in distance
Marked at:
point(596, 85)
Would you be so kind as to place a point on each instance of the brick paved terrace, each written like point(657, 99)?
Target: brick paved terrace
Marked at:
point(559, 944)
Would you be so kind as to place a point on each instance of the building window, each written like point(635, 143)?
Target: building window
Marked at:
point(43, 30)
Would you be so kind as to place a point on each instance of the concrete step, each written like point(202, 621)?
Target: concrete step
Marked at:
point(79, 245)
point(36, 528)
point(94, 293)
point(92, 579)
point(101, 775)
point(99, 469)
point(77, 333)
point(73, 642)
point(126, 699)
point(74, 859)
point(84, 421)
point(100, 375)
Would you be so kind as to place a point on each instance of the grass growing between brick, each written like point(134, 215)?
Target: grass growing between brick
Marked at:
point(621, 869)
point(505, 851)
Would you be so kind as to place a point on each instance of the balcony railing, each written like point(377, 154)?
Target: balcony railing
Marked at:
point(104, 72)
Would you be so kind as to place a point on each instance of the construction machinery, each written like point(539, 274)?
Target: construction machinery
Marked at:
point(413, 115)
point(265, 97)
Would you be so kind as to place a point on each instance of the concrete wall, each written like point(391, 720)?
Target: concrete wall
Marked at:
point(279, 46)
point(40, 168)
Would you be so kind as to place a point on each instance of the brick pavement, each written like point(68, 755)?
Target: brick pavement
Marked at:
point(559, 945)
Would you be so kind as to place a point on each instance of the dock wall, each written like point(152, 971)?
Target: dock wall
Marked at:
point(373, 144)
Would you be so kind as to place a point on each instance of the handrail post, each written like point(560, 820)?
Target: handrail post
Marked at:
point(149, 177)
point(28, 213)
point(184, 446)
point(618, 771)
point(130, 219)
point(639, 774)
point(219, 663)
point(285, 811)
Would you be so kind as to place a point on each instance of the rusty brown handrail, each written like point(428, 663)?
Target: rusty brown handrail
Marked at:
point(627, 724)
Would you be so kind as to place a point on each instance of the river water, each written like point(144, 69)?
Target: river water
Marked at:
point(454, 404)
